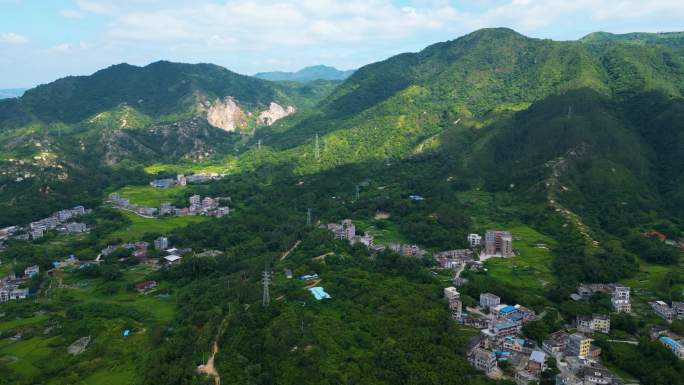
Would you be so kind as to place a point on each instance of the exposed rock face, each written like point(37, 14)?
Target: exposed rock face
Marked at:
point(226, 115)
point(275, 112)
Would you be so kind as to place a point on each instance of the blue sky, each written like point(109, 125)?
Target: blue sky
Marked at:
point(42, 40)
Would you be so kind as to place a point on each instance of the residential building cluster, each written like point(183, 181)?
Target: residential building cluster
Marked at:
point(183, 180)
point(453, 259)
point(500, 340)
point(198, 206)
point(667, 312)
point(495, 243)
point(619, 294)
point(60, 221)
point(346, 230)
point(140, 249)
point(499, 337)
point(10, 289)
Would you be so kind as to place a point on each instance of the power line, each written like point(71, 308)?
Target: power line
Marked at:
point(266, 281)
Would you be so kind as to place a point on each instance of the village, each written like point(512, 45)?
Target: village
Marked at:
point(500, 350)
point(61, 221)
point(198, 206)
point(184, 180)
point(500, 343)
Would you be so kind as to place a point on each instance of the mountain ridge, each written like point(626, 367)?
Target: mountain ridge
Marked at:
point(307, 74)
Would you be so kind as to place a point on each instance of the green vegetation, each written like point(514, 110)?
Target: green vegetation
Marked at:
point(650, 362)
point(574, 147)
point(149, 196)
point(140, 226)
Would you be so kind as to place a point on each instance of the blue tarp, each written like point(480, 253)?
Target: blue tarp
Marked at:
point(319, 293)
point(308, 277)
point(126, 333)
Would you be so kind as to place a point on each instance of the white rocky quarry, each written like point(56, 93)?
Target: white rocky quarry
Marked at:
point(275, 112)
point(79, 346)
point(226, 114)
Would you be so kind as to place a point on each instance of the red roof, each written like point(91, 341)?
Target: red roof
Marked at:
point(656, 234)
point(145, 285)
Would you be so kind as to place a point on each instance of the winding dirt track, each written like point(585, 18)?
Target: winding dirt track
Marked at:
point(209, 368)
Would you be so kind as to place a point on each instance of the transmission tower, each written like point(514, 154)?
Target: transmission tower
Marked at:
point(317, 150)
point(266, 281)
point(308, 217)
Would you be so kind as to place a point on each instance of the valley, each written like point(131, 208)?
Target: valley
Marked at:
point(326, 235)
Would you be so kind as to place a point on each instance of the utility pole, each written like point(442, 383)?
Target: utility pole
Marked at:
point(317, 150)
point(266, 281)
point(308, 217)
point(357, 192)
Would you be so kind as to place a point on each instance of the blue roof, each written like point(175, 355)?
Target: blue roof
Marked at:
point(505, 325)
point(507, 309)
point(319, 293)
point(670, 342)
point(538, 356)
point(516, 317)
point(126, 333)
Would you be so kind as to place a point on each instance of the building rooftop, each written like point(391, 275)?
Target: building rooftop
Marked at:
point(507, 309)
point(670, 342)
point(538, 356)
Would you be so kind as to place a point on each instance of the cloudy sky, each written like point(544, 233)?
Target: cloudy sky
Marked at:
point(41, 40)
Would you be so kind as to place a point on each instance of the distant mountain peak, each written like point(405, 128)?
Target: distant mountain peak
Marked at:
point(307, 74)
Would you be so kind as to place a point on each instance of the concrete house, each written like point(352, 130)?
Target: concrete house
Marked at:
point(498, 243)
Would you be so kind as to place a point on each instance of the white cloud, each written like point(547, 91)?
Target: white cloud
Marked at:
point(96, 7)
point(71, 14)
point(13, 38)
point(62, 48)
point(278, 22)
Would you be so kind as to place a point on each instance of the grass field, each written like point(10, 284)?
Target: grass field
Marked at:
point(532, 268)
point(650, 284)
point(221, 166)
point(389, 233)
point(22, 355)
point(140, 225)
point(4, 326)
point(112, 376)
point(149, 196)
point(111, 358)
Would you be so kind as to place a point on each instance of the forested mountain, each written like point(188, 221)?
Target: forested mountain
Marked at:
point(671, 39)
point(576, 148)
point(508, 105)
point(306, 74)
point(122, 117)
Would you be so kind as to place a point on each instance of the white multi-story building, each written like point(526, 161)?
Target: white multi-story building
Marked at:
point(596, 323)
point(474, 240)
point(31, 271)
point(488, 300)
point(663, 310)
point(482, 359)
point(161, 243)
